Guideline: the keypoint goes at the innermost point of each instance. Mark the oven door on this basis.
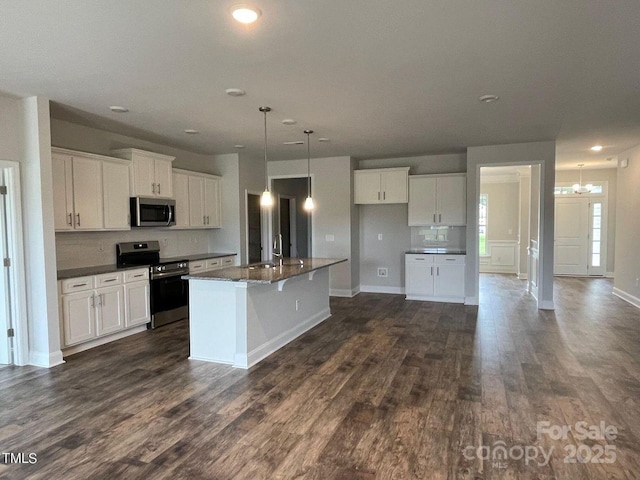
(169, 300)
(152, 212)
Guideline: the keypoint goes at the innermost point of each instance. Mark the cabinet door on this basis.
(419, 276)
(196, 201)
(212, 202)
(451, 194)
(422, 201)
(163, 178)
(449, 281)
(110, 310)
(181, 194)
(367, 187)
(79, 317)
(87, 193)
(144, 182)
(62, 192)
(115, 186)
(137, 307)
(394, 187)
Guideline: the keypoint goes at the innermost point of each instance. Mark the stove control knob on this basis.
(158, 269)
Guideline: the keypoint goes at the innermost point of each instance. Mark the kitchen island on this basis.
(240, 315)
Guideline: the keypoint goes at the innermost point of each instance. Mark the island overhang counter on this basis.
(240, 315)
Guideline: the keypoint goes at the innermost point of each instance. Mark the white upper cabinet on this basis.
(181, 194)
(438, 200)
(115, 189)
(151, 173)
(90, 192)
(383, 185)
(197, 199)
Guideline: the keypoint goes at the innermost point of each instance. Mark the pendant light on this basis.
(578, 188)
(266, 200)
(308, 203)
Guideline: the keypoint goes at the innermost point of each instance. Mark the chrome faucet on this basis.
(277, 249)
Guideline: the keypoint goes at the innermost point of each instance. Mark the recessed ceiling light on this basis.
(596, 148)
(239, 146)
(244, 13)
(489, 98)
(235, 92)
(609, 159)
(323, 139)
(288, 121)
(118, 109)
(297, 142)
(191, 131)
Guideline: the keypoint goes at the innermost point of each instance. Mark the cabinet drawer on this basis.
(136, 275)
(212, 263)
(227, 261)
(450, 259)
(419, 259)
(108, 279)
(196, 267)
(78, 284)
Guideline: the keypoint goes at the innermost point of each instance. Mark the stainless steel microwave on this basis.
(152, 212)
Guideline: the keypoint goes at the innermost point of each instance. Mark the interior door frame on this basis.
(292, 222)
(593, 197)
(312, 217)
(15, 250)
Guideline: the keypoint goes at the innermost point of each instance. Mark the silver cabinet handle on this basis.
(432, 271)
(438, 271)
(80, 285)
(439, 218)
(70, 219)
(153, 188)
(450, 259)
(208, 220)
(102, 299)
(420, 259)
(434, 218)
(204, 219)
(378, 195)
(384, 195)
(93, 300)
(139, 275)
(110, 280)
(158, 189)
(78, 219)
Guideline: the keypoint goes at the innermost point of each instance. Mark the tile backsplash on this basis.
(449, 237)
(86, 249)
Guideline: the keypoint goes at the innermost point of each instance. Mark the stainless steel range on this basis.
(169, 293)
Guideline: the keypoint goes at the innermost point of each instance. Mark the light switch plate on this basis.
(329, 238)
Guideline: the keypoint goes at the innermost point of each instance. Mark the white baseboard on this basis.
(344, 292)
(426, 298)
(280, 341)
(207, 359)
(382, 289)
(627, 297)
(496, 269)
(471, 301)
(46, 360)
(523, 276)
(610, 274)
(103, 340)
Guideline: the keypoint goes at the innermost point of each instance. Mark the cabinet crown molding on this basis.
(95, 156)
(196, 174)
(129, 153)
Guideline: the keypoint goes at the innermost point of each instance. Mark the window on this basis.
(482, 222)
(596, 233)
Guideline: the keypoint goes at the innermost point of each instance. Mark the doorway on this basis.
(290, 219)
(254, 228)
(580, 242)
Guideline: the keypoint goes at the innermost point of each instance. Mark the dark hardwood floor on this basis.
(385, 389)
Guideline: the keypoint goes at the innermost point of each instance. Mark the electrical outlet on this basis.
(165, 242)
(379, 236)
(329, 238)
(101, 247)
(383, 272)
(637, 282)
(298, 305)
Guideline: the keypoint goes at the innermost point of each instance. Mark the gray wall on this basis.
(296, 188)
(610, 175)
(628, 227)
(391, 221)
(503, 214)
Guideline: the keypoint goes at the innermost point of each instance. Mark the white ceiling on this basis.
(379, 78)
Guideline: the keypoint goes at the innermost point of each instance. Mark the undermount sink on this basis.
(262, 265)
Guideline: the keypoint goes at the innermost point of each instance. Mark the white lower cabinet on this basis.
(99, 305)
(209, 264)
(435, 277)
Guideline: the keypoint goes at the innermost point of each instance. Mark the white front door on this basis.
(580, 236)
(571, 236)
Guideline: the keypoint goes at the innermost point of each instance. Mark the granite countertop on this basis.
(99, 269)
(198, 256)
(437, 251)
(257, 273)
(95, 270)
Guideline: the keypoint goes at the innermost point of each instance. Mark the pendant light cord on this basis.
(308, 163)
(266, 178)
